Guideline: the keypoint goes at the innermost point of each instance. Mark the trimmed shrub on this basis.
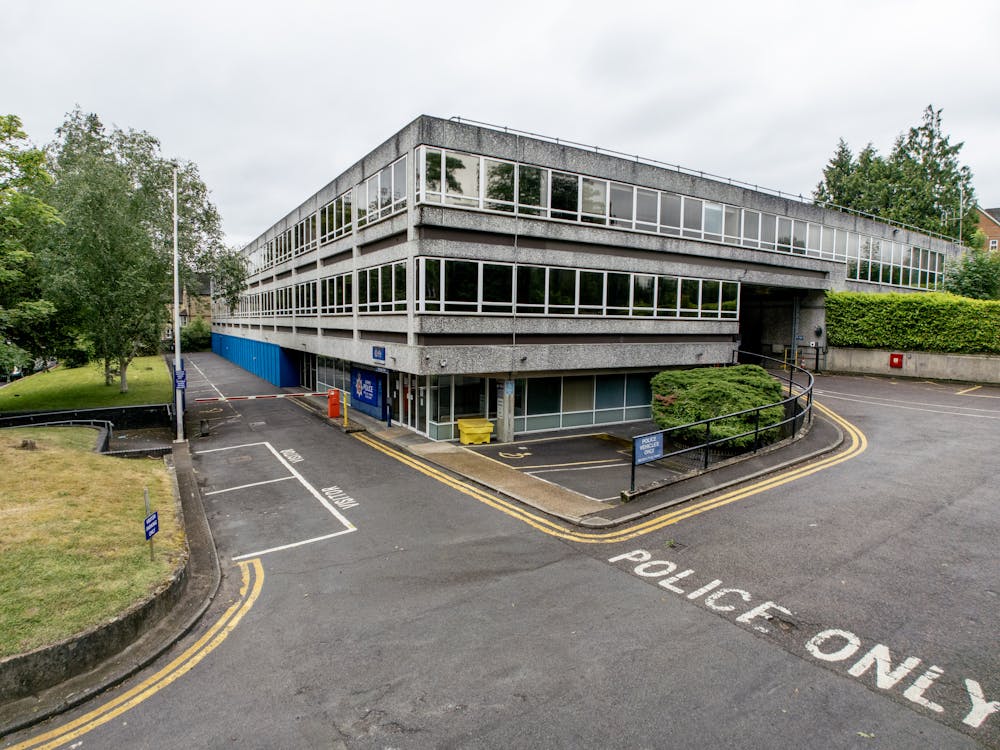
(681, 397)
(926, 322)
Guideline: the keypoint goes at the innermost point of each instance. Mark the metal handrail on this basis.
(805, 414)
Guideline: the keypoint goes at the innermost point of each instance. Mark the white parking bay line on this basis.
(247, 556)
(246, 486)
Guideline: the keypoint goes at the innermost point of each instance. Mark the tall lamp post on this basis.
(179, 379)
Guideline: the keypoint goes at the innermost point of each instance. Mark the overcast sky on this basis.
(272, 100)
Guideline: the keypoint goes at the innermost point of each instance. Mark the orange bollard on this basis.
(333, 403)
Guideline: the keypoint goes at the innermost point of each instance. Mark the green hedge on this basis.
(681, 397)
(927, 322)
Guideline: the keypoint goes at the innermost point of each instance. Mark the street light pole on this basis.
(178, 395)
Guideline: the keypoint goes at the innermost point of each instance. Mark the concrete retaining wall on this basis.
(123, 417)
(27, 674)
(969, 368)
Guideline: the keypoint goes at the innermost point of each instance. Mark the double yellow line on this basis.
(857, 443)
(253, 580)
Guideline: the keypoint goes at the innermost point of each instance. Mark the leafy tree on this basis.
(976, 274)
(24, 223)
(110, 265)
(921, 183)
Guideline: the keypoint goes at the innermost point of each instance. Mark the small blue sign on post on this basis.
(152, 524)
(180, 379)
(648, 447)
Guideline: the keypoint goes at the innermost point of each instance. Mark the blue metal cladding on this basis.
(265, 360)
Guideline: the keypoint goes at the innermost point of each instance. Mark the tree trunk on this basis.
(109, 376)
(123, 369)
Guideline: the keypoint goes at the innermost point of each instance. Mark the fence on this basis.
(665, 446)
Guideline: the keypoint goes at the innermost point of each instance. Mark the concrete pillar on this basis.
(505, 411)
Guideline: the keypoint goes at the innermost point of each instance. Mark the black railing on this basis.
(797, 408)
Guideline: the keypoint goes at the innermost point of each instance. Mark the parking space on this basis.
(596, 464)
(260, 504)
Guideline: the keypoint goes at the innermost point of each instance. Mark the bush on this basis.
(927, 322)
(681, 397)
(196, 336)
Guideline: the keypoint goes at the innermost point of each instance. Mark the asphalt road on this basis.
(366, 604)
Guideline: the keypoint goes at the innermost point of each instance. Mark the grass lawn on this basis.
(149, 382)
(73, 551)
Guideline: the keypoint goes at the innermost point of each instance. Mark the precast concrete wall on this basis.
(971, 368)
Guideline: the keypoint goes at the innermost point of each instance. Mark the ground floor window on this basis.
(545, 403)
(332, 373)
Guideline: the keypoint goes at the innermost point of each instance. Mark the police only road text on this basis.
(911, 676)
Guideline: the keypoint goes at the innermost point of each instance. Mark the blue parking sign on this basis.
(152, 524)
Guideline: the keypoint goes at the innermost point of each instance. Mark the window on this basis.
(595, 201)
(692, 217)
(642, 295)
(461, 286)
(670, 213)
(622, 205)
(532, 191)
(767, 231)
(751, 228)
(498, 288)
(562, 290)
(619, 288)
(732, 226)
(432, 175)
(399, 185)
(530, 290)
(730, 300)
(461, 178)
(993, 244)
(565, 196)
(713, 222)
(499, 185)
(431, 269)
(646, 202)
(591, 293)
(690, 297)
(666, 296)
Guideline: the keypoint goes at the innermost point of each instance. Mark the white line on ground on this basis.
(247, 486)
(312, 490)
(304, 542)
(200, 372)
(230, 448)
(576, 468)
(940, 409)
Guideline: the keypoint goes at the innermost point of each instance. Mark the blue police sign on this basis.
(180, 379)
(378, 353)
(152, 524)
(648, 447)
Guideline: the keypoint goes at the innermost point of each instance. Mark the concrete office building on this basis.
(464, 270)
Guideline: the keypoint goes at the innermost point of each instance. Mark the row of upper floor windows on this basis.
(381, 195)
(447, 285)
(479, 182)
(483, 183)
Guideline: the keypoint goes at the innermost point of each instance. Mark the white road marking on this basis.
(966, 411)
(247, 486)
(247, 556)
(832, 645)
(210, 383)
